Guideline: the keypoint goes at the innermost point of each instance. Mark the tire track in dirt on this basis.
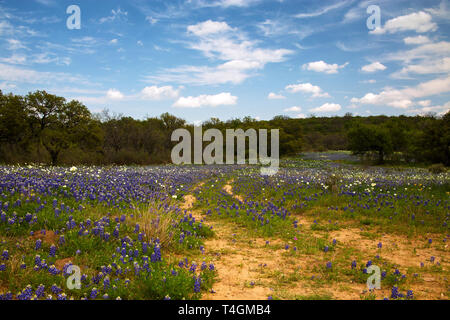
(242, 266)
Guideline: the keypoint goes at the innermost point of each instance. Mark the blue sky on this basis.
(199, 59)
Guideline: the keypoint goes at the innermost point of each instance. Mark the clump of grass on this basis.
(156, 224)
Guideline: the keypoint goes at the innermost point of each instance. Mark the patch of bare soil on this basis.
(404, 253)
(229, 189)
(241, 265)
(48, 237)
(62, 262)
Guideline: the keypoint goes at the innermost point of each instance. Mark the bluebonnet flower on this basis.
(329, 265)
(197, 284)
(40, 291)
(94, 293)
(409, 294)
(62, 296)
(38, 244)
(5, 255)
(52, 250)
(353, 264)
(394, 292)
(53, 270)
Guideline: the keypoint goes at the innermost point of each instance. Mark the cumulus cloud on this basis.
(416, 40)
(428, 58)
(160, 93)
(322, 66)
(327, 107)
(240, 57)
(114, 94)
(439, 109)
(208, 27)
(274, 96)
(316, 91)
(224, 98)
(419, 22)
(373, 67)
(293, 109)
(404, 98)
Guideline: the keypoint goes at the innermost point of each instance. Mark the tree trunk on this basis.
(380, 157)
(54, 157)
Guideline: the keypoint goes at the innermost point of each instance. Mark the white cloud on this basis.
(431, 66)
(424, 103)
(15, 44)
(160, 93)
(115, 15)
(442, 12)
(151, 20)
(428, 58)
(222, 3)
(274, 96)
(323, 10)
(416, 40)
(114, 94)
(15, 59)
(241, 57)
(293, 109)
(16, 74)
(301, 116)
(47, 57)
(208, 27)
(316, 91)
(224, 98)
(419, 22)
(7, 86)
(404, 98)
(114, 41)
(327, 107)
(322, 66)
(373, 67)
(140, 43)
(439, 109)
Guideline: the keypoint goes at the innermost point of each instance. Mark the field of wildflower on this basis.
(224, 232)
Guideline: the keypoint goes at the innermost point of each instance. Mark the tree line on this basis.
(43, 128)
